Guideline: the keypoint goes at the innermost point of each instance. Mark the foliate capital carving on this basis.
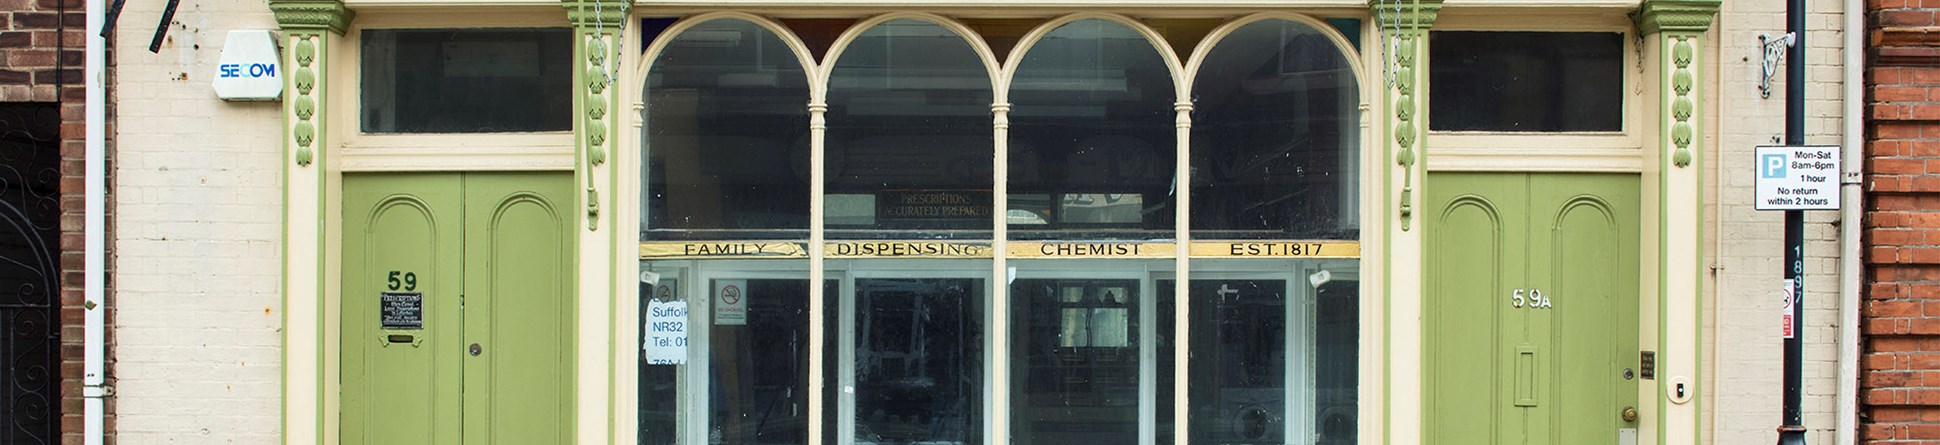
(312, 15)
(1676, 16)
(592, 13)
(1412, 15)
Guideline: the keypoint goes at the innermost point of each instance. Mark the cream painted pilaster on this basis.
(1403, 27)
(310, 29)
(1673, 215)
(597, 26)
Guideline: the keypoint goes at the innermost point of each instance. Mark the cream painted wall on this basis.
(197, 198)
(1742, 314)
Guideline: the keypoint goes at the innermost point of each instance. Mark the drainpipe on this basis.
(95, 223)
(1850, 221)
(1791, 430)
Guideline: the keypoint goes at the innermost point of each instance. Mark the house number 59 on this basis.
(409, 281)
(1534, 298)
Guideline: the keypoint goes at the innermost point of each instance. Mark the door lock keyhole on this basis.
(476, 350)
(1628, 374)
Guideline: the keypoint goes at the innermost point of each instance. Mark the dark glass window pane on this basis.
(1337, 358)
(1238, 387)
(1525, 81)
(918, 361)
(1078, 380)
(1275, 137)
(726, 137)
(759, 393)
(1275, 351)
(466, 80)
(908, 150)
(1092, 139)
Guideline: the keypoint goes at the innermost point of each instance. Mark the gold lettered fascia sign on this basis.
(905, 249)
(1276, 249)
(723, 249)
(1093, 249)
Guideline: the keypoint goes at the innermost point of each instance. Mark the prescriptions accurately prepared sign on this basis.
(1797, 178)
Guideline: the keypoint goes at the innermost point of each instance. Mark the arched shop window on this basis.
(726, 137)
(727, 158)
(1092, 157)
(1274, 325)
(908, 152)
(1092, 145)
(1275, 137)
(914, 280)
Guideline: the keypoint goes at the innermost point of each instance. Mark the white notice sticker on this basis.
(1796, 178)
(664, 338)
(731, 302)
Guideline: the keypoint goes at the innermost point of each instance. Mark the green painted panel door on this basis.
(1548, 367)
(491, 258)
(402, 233)
(518, 308)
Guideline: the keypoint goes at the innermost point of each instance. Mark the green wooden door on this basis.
(1530, 330)
(437, 263)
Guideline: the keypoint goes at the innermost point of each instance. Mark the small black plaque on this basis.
(401, 310)
(1647, 365)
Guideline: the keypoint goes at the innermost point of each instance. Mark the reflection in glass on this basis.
(738, 369)
(726, 137)
(1092, 139)
(1078, 378)
(760, 366)
(1275, 137)
(466, 80)
(1274, 351)
(918, 360)
(908, 150)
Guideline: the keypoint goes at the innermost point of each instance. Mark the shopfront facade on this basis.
(769, 222)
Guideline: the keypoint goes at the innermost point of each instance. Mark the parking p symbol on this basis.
(1773, 166)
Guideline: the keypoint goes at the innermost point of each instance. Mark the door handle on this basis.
(1629, 414)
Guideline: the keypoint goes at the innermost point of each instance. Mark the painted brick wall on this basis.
(41, 44)
(198, 207)
(1900, 369)
(1746, 353)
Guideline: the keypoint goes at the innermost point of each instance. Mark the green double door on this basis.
(457, 308)
(1530, 308)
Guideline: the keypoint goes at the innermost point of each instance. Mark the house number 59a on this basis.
(1533, 298)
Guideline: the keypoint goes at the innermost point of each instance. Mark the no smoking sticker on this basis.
(730, 302)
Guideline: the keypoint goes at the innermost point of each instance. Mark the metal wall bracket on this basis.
(1774, 52)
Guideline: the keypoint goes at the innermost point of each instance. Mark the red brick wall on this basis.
(41, 51)
(1900, 369)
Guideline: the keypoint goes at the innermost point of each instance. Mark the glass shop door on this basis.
(910, 347)
(743, 377)
(1085, 351)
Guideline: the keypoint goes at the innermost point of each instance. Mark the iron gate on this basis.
(30, 149)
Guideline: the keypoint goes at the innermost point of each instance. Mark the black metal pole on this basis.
(1792, 430)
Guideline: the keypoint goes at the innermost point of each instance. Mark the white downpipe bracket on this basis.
(94, 300)
(1851, 219)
